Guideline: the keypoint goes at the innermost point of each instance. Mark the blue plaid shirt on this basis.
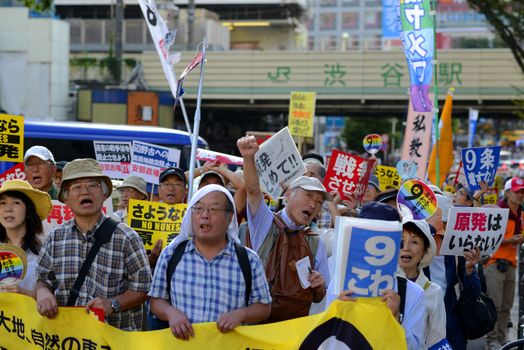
(203, 289)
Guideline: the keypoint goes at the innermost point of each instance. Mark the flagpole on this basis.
(196, 125)
(435, 95)
(186, 120)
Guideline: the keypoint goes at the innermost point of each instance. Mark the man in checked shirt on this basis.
(119, 278)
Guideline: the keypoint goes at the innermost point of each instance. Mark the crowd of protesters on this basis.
(222, 267)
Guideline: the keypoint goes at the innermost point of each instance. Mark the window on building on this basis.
(350, 20)
(327, 21)
(328, 3)
(350, 2)
(93, 31)
(75, 32)
(133, 31)
(373, 2)
(372, 20)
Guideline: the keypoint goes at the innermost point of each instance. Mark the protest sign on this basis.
(61, 213)
(407, 169)
(470, 227)
(11, 138)
(278, 163)
(148, 160)
(207, 155)
(13, 264)
(371, 322)
(16, 172)
(114, 158)
(301, 113)
(153, 220)
(387, 177)
(416, 200)
(480, 164)
(348, 174)
(372, 143)
(366, 256)
(417, 139)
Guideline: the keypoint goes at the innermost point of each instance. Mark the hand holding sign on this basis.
(372, 143)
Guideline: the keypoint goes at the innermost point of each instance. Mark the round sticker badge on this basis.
(416, 200)
(372, 143)
(13, 264)
(407, 169)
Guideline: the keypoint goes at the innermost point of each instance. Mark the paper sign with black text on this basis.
(366, 255)
(388, 177)
(470, 227)
(114, 158)
(148, 160)
(11, 138)
(278, 163)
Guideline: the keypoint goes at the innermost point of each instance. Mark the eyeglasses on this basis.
(36, 164)
(198, 210)
(172, 186)
(91, 187)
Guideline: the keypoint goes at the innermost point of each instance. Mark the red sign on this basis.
(348, 174)
(14, 173)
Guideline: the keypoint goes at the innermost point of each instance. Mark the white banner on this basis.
(468, 228)
(148, 160)
(278, 163)
(114, 157)
(207, 155)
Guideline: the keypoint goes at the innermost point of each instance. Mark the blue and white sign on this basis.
(480, 164)
(441, 345)
(148, 160)
(367, 255)
(390, 22)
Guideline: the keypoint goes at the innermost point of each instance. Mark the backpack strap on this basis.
(245, 266)
(103, 234)
(173, 262)
(402, 283)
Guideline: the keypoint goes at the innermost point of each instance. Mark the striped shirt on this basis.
(204, 289)
(120, 265)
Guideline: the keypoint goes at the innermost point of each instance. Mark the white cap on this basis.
(40, 152)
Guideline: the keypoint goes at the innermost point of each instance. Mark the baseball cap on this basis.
(40, 152)
(378, 211)
(213, 173)
(173, 171)
(514, 184)
(61, 164)
(310, 184)
(423, 228)
(387, 195)
(373, 180)
(135, 182)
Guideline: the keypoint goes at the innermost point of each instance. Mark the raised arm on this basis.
(248, 147)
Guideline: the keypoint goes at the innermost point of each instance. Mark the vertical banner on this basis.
(348, 174)
(153, 221)
(417, 139)
(468, 228)
(163, 40)
(11, 138)
(114, 158)
(148, 161)
(480, 164)
(278, 163)
(374, 246)
(390, 23)
(472, 125)
(301, 113)
(417, 37)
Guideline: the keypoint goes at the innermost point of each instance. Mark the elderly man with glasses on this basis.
(172, 188)
(40, 168)
(119, 277)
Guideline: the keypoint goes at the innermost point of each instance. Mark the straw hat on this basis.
(135, 182)
(82, 168)
(41, 200)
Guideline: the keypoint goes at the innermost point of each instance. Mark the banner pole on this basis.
(196, 126)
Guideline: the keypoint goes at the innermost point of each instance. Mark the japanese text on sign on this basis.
(153, 220)
(301, 113)
(61, 213)
(114, 158)
(387, 177)
(373, 248)
(278, 163)
(348, 174)
(416, 200)
(480, 164)
(11, 138)
(148, 160)
(14, 173)
(468, 228)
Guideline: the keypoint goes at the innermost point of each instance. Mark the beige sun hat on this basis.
(82, 168)
(41, 200)
(135, 182)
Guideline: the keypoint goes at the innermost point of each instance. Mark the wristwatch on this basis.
(115, 305)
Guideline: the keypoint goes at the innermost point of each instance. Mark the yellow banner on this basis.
(388, 177)
(363, 324)
(11, 138)
(301, 113)
(153, 220)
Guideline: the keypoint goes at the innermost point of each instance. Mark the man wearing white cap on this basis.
(202, 279)
(290, 227)
(501, 267)
(40, 169)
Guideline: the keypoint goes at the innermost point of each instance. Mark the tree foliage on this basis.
(507, 19)
(355, 129)
(39, 5)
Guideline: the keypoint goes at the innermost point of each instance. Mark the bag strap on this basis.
(245, 266)
(402, 282)
(102, 235)
(173, 262)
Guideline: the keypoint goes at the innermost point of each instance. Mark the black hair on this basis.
(33, 224)
(413, 228)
